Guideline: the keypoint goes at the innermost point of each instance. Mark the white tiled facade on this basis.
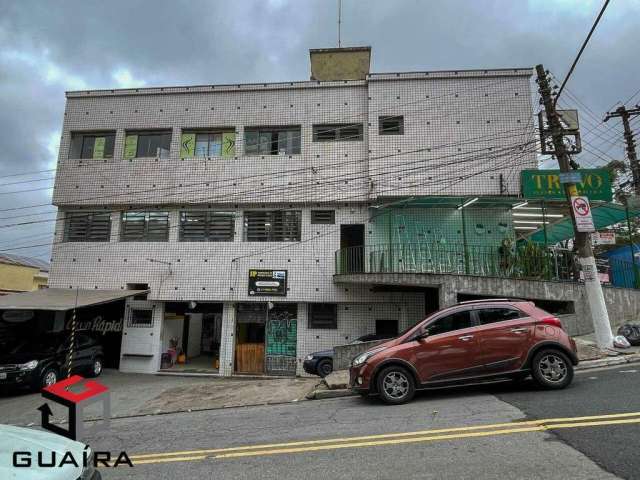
(466, 115)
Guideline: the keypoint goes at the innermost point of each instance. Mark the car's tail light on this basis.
(551, 320)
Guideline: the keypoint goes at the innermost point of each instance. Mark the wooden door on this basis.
(250, 358)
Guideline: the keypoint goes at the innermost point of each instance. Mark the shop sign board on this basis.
(603, 238)
(582, 214)
(595, 183)
(267, 282)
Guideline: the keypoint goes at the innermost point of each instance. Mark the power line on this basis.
(584, 44)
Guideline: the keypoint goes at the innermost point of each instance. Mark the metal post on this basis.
(633, 257)
(73, 335)
(464, 242)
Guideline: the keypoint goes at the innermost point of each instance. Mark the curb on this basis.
(324, 394)
(606, 362)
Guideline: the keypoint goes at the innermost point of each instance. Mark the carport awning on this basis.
(62, 299)
(603, 216)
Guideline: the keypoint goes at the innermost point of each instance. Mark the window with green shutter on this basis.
(144, 227)
(87, 227)
(206, 226)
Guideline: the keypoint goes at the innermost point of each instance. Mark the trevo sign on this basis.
(582, 214)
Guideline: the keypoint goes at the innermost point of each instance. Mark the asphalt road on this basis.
(480, 432)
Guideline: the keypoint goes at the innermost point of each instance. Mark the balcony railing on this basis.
(528, 262)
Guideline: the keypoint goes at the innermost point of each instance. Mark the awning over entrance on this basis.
(604, 215)
(62, 299)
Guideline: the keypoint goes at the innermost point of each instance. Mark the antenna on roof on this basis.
(339, 21)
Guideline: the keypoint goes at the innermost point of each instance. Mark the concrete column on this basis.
(303, 336)
(227, 339)
(174, 226)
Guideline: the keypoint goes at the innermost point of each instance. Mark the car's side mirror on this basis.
(422, 335)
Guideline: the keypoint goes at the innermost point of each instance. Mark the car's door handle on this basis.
(465, 338)
(519, 330)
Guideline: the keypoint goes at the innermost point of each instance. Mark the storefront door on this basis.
(281, 339)
(250, 335)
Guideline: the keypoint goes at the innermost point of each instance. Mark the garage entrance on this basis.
(191, 335)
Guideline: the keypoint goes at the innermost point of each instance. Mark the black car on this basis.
(321, 363)
(39, 362)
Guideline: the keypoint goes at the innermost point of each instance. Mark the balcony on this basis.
(530, 261)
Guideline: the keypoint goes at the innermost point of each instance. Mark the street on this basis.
(588, 431)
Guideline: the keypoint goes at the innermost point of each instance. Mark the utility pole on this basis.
(594, 294)
(625, 114)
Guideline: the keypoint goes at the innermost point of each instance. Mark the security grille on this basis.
(87, 227)
(206, 226)
(326, 217)
(272, 226)
(140, 317)
(144, 227)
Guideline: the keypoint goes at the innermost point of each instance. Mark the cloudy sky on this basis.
(48, 47)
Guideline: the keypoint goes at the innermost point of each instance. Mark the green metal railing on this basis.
(528, 262)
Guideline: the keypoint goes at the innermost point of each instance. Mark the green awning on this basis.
(450, 202)
(604, 215)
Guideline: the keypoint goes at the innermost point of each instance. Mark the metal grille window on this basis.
(87, 227)
(140, 317)
(206, 226)
(144, 227)
(323, 315)
(326, 217)
(92, 145)
(272, 226)
(272, 140)
(337, 132)
(391, 125)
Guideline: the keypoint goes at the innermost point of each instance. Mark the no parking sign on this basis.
(582, 214)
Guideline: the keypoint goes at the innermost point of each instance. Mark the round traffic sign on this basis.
(580, 206)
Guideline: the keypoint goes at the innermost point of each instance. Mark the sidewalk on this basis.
(140, 394)
(590, 356)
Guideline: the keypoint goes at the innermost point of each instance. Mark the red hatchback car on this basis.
(472, 342)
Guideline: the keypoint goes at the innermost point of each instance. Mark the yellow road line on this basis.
(382, 436)
(172, 459)
(430, 438)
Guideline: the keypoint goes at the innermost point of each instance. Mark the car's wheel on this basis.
(96, 367)
(396, 385)
(49, 377)
(324, 367)
(552, 369)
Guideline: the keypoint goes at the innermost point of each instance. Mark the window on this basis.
(208, 144)
(326, 217)
(337, 132)
(271, 140)
(139, 286)
(144, 227)
(140, 318)
(147, 144)
(492, 315)
(92, 145)
(455, 321)
(387, 328)
(87, 227)
(206, 226)
(272, 226)
(391, 125)
(323, 315)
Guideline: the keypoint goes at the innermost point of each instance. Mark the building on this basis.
(22, 274)
(241, 209)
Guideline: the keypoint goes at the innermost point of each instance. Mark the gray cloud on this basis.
(48, 48)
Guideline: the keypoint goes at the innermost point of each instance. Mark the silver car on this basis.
(30, 454)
